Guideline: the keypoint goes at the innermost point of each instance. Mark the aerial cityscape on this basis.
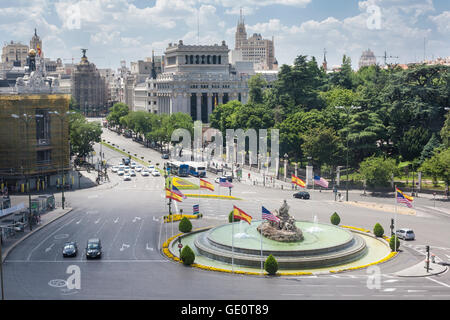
(223, 151)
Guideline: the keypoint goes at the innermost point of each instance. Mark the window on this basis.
(43, 157)
(42, 127)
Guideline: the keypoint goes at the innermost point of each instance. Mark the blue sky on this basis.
(114, 30)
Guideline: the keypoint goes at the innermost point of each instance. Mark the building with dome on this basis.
(367, 59)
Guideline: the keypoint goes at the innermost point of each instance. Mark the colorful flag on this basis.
(238, 214)
(206, 185)
(223, 182)
(298, 181)
(178, 192)
(38, 49)
(267, 215)
(403, 198)
(196, 209)
(173, 196)
(320, 181)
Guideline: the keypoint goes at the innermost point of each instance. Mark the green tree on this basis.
(378, 230)
(335, 219)
(256, 86)
(83, 135)
(344, 77)
(271, 265)
(445, 131)
(118, 111)
(430, 147)
(185, 225)
(187, 255)
(394, 243)
(377, 171)
(438, 166)
(410, 146)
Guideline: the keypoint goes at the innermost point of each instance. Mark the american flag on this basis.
(320, 181)
(267, 215)
(196, 209)
(224, 183)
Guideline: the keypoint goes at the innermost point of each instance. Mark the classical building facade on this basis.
(14, 51)
(88, 87)
(367, 59)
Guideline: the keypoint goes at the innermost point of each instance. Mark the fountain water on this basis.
(315, 227)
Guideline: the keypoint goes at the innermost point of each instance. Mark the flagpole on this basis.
(395, 221)
(260, 237)
(232, 242)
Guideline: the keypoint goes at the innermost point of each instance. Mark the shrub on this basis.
(392, 243)
(335, 219)
(378, 230)
(230, 216)
(271, 265)
(187, 256)
(185, 225)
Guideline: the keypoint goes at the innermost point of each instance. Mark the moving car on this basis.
(155, 173)
(93, 248)
(217, 180)
(132, 173)
(165, 156)
(138, 168)
(301, 195)
(126, 177)
(70, 249)
(126, 161)
(115, 169)
(133, 165)
(121, 172)
(405, 234)
(145, 173)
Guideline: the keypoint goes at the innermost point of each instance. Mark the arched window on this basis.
(220, 60)
(197, 59)
(214, 59)
(208, 59)
(187, 59)
(203, 59)
(191, 59)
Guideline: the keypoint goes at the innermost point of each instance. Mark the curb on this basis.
(8, 250)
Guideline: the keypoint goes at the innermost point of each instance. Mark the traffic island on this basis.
(420, 270)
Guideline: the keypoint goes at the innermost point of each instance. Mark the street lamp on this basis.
(285, 166)
(26, 119)
(347, 110)
(62, 117)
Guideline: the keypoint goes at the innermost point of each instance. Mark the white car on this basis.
(406, 234)
(120, 172)
(132, 173)
(126, 177)
(133, 165)
(121, 166)
(138, 168)
(155, 173)
(115, 169)
(151, 168)
(145, 173)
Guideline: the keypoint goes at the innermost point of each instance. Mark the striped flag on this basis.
(206, 185)
(320, 181)
(223, 182)
(178, 192)
(403, 198)
(239, 214)
(173, 196)
(267, 215)
(196, 209)
(298, 181)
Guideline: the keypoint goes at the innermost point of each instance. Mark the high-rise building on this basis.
(367, 59)
(254, 49)
(14, 51)
(88, 87)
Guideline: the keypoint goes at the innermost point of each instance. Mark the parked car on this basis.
(126, 177)
(70, 249)
(405, 234)
(138, 168)
(132, 173)
(155, 173)
(302, 195)
(115, 169)
(165, 156)
(121, 172)
(93, 248)
(133, 165)
(151, 168)
(145, 173)
(126, 161)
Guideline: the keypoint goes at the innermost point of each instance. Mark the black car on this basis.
(126, 161)
(93, 248)
(70, 249)
(301, 195)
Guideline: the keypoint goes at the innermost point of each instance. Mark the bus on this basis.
(197, 169)
(178, 168)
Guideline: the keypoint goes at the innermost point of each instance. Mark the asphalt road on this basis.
(127, 217)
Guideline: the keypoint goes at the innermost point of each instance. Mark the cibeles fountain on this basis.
(296, 245)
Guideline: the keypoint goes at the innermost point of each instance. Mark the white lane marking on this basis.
(389, 289)
(124, 246)
(92, 212)
(79, 221)
(136, 219)
(441, 283)
(117, 220)
(412, 291)
(391, 281)
(137, 237)
(85, 261)
(148, 248)
(49, 248)
(155, 219)
(93, 196)
(97, 221)
(50, 235)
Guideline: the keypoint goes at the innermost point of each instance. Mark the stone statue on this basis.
(284, 230)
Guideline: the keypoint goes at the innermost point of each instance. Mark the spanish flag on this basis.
(173, 196)
(206, 185)
(38, 49)
(238, 214)
(298, 181)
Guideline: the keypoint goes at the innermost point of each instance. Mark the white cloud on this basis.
(442, 22)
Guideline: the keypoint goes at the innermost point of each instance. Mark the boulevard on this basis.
(128, 218)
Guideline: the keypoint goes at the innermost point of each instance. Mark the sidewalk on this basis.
(46, 218)
(419, 270)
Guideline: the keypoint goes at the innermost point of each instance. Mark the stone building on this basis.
(14, 51)
(367, 59)
(88, 87)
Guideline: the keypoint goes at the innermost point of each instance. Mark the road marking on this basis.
(441, 283)
(391, 281)
(155, 219)
(124, 246)
(412, 291)
(389, 289)
(49, 248)
(148, 248)
(97, 221)
(78, 222)
(136, 219)
(117, 220)
(92, 212)
(93, 196)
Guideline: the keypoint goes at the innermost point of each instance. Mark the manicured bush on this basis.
(392, 243)
(378, 230)
(271, 265)
(335, 219)
(187, 256)
(185, 225)
(230, 216)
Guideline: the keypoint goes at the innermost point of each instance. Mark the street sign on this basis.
(180, 245)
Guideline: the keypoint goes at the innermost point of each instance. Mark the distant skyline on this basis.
(115, 30)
